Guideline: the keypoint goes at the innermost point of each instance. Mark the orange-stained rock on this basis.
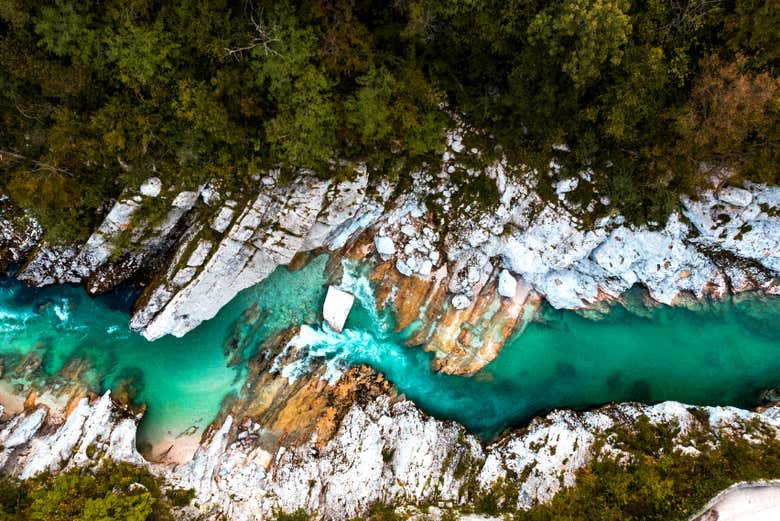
(463, 341)
(277, 411)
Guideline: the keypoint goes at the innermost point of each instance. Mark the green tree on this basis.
(583, 36)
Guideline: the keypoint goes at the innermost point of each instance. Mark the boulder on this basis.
(384, 246)
(507, 284)
(151, 187)
(735, 196)
(460, 301)
(336, 308)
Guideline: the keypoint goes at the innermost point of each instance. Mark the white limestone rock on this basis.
(460, 301)
(383, 450)
(51, 264)
(199, 255)
(384, 246)
(223, 219)
(507, 284)
(30, 449)
(151, 187)
(404, 268)
(336, 308)
(265, 234)
(93, 262)
(345, 211)
(735, 196)
(564, 186)
(426, 267)
(19, 233)
(408, 230)
(753, 232)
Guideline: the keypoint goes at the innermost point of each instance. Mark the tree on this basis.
(583, 36)
(728, 108)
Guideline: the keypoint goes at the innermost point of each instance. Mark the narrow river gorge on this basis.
(723, 353)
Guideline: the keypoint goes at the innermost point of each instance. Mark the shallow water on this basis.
(725, 354)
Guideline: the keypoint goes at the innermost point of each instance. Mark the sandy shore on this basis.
(747, 501)
(12, 402)
(179, 449)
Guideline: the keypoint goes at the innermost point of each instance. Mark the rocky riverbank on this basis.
(468, 254)
(334, 450)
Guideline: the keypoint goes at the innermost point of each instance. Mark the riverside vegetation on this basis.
(113, 492)
(649, 97)
(95, 96)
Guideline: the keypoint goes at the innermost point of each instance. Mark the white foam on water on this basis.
(14, 320)
(321, 343)
(62, 310)
(354, 280)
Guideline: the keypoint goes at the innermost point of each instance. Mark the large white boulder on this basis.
(384, 246)
(151, 187)
(507, 284)
(336, 308)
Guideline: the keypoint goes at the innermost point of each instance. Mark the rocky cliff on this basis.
(470, 253)
(367, 446)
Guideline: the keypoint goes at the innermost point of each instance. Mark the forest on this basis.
(650, 96)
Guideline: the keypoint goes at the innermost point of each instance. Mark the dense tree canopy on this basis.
(113, 492)
(96, 95)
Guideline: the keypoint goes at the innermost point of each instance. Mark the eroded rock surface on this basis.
(465, 254)
(123, 243)
(334, 458)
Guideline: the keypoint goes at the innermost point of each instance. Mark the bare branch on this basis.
(266, 36)
(40, 165)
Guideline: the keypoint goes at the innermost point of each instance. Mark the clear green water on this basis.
(725, 354)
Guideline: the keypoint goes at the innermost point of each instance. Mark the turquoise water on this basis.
(182, 380)
(723, 354)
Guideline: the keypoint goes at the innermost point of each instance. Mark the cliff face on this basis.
(335, 461)
(467, 256)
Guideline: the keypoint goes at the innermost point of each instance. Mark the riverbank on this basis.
(406, 459)
(430, 292)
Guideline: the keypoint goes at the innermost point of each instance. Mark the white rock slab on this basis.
(336, 308)
(735, 196)
(507, 284)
